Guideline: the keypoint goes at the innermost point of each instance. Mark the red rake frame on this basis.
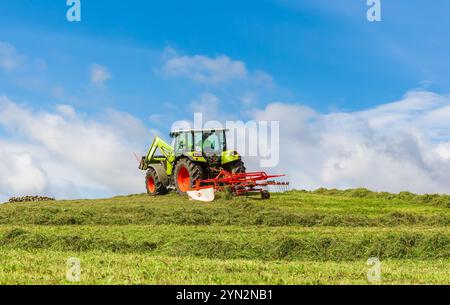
(240, 183)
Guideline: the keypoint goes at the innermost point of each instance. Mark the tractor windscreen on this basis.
(183, 142)
(210, 142)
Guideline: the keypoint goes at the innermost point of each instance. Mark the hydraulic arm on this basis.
(151, 158)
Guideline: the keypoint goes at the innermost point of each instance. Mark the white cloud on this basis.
(204, 69)
(21, 174)
(65, 153)
(393, 147)
(9, 58)
(99, 74)
(208, 104)
(443, 151)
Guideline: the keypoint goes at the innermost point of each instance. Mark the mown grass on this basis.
(290, 209)
(324, 244)
(98, 267)
(431, 199)
(324, 236)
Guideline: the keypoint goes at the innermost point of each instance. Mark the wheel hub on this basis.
(183, 179)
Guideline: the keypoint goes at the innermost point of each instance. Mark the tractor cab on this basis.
(201, 142)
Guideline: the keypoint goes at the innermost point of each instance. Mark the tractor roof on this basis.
(175, 133)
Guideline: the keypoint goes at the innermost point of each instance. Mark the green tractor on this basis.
(195, 154)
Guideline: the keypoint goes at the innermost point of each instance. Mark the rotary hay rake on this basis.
(237, 184)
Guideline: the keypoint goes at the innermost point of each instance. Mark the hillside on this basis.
(296, 237)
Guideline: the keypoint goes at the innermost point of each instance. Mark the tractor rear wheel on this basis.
(153, 183)
(186, 174)
(236, 167)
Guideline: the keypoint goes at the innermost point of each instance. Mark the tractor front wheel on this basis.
(186, 174)
(153, 183)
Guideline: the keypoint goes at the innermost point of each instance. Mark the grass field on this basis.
(298, 237)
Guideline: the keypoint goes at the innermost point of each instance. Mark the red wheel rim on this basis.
(151, 184)
(183, 179)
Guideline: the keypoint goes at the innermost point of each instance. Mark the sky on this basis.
(360, 104)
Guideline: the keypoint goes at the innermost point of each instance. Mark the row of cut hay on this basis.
(223, 245)
(431, 199)
(219, 215)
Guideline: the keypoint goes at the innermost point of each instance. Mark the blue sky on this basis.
(324, 54)
(133, 66)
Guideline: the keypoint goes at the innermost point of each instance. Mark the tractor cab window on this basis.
(213, 142)
(183, 143)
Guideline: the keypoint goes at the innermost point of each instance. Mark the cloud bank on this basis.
(67, 154)
(403, 145)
